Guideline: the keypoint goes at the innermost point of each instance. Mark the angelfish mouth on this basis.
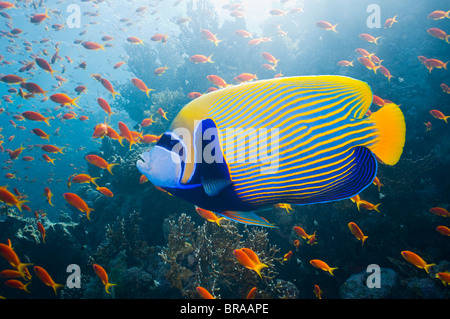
(144, 166)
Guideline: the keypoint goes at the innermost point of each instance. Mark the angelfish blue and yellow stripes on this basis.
(320, 129)
(297, 140)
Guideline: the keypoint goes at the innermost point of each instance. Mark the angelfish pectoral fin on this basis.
(213, 187)
(248, 218)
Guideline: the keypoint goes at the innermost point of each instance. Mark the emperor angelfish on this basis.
(296, 140)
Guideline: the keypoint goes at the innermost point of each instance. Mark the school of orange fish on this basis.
(19, 277)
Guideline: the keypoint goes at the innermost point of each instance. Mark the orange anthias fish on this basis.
(101, 273)
(63, 99)
(105, 106)
(369, 64)
(52, 148)
(39, 17)
(356, 231)
(159, 37)
(41, 229)
(93, 46)
(14, 283)
(439, 115)
(105, 191)
(345, 63)
(204, 293)
(245, 77)
(135, 40)
(10, 199)
(44, 65)
(440, 34)
(76, 201)
(443, 230)
(41, 134)
(141, 86)
(49, 195)
(444, 277)
(416, 260)
(159, 71)
(248, 258)
(369, 38)
(361, 203)
(48, 159)
(43, 275)
(35, 116)
(439, 14)
(326, 25)
(270, 58)
(317, 292)
(445, 88)
(208, 35)
(301, 233)
(322, 265)
(431, 64)
(15, 154)
(84, 178)
(386, 72)
(377, 183)
(108, 86)
(161, 112)
(100, 162)
(389, 22)
(11, 257)
(147, 121)
(198, 58)
(209, 215)
(126, 133)
(439, 211)
(217, 80)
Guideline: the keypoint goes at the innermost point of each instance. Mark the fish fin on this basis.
(110, 166)
(427, 267)
(331, 271)
(248, 218)
(213, 187)
(390, 122)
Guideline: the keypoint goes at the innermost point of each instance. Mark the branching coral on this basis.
(203, 256)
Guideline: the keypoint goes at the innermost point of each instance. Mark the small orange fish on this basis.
(194, 95)
(243, 33)
(43, 275)
(108, 86)
(439, 14)
(439, 211)
(389, 22)
(416, 260)
(217, 80)
(39, 17)
(161, 112)
(105, 106)
(204, 293)
(63, 99)
(141, 86)
(270, 58)
(443, 230)
(147, 121)
(35, 116)
(41, 229)
(48, 159)
(444, 277)
(11, 257)
(248, 258)
(208, 35)
(135, 40)
(14, 283)
(101, 273)
(209, 215)
(356, 231)
(439, 115)
(360, 203)
(49, 195)
(10, 273)
(345, 63)
(386, 72)
(159, 37)
(377, 182)
(319, 264)
(198, 58)
(326, 25)
(159, 71)
(369, 64)
(93, 46)
(84, 178)
(429, 126)
(445, 88)
(287, 256)
(150, 138)
(431, 64)
(126, 133)
(76, 201)
(317, 291)
(105, 191)
(251, 294)
(10, 199)
(439, 34)
(369, 38)
(245, 77)
(52, 148)
(100, 162)
(301, 233)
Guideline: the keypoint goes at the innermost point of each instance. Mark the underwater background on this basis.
(153, 245)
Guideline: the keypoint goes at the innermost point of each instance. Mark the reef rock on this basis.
(356, 287)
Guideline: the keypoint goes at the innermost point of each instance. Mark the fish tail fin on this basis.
(110, 166)
(89, 210)
(107, 286)
(25, 287)
(427, 267)
(395, 18)
(390, 123)
(22, 269)
(258, 267)
(148, 92)
(331, 270)
(114, 94)
(364, 239)
(20, 203)
(218, 221)
(376, 207)
(209, 59)
(376, 68)
(445, 118)
(93, 181)
(447, 14)
(73, 101)
(376, 40)
(46, 120)
(447, 39)
(445, 64)
(333, 28)
(56, 286)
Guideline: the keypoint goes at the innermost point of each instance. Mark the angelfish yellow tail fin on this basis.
(390, 122)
